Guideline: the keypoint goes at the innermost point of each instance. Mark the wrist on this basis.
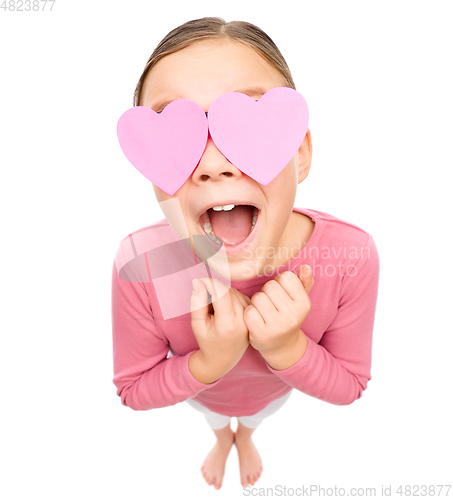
(289, 354)
(201, 369)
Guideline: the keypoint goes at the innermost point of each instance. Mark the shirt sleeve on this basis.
(145, 378)
(338, 369)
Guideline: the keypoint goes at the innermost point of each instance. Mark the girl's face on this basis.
(202, 72)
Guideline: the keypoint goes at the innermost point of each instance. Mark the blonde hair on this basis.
(215, 27)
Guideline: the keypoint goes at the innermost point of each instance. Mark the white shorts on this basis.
(217, 421)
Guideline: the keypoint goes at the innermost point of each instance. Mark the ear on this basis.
(305, 153)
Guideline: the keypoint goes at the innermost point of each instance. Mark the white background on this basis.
(377, 78)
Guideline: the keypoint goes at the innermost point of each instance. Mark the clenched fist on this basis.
(219, 328)
(275, 316)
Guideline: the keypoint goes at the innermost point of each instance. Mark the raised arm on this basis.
(144, 377)
(338, 369)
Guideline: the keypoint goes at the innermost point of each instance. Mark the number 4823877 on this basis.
(27, 5)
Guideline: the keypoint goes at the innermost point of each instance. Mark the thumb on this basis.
(306, 277)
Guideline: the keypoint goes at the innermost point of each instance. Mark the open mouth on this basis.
(231, 223)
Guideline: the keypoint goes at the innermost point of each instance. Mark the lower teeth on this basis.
(208, 230)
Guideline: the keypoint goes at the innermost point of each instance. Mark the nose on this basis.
(213, 166)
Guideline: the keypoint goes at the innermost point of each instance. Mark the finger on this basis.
(243, 300)
(237, 300)
(306, 277)
(221, 299)
(263, 304)
(253, 318)
(199, 307)
(292, 285)
(277, 295)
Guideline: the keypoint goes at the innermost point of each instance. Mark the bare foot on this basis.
(213, 468)
(250, 465)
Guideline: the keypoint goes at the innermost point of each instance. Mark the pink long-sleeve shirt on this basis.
(151, 354)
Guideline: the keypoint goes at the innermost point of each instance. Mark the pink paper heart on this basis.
(164, 147)
(259, 137)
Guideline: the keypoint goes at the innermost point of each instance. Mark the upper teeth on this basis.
(224, 207)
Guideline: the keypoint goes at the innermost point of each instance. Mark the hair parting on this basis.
(216, 28)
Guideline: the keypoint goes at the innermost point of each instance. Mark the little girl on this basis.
(263, 336)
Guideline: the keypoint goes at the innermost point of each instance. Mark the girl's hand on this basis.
(219, 328)
(275, 316)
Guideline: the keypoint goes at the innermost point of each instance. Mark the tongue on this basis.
(233, 226)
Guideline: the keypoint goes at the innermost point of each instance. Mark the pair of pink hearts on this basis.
(258, 137)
